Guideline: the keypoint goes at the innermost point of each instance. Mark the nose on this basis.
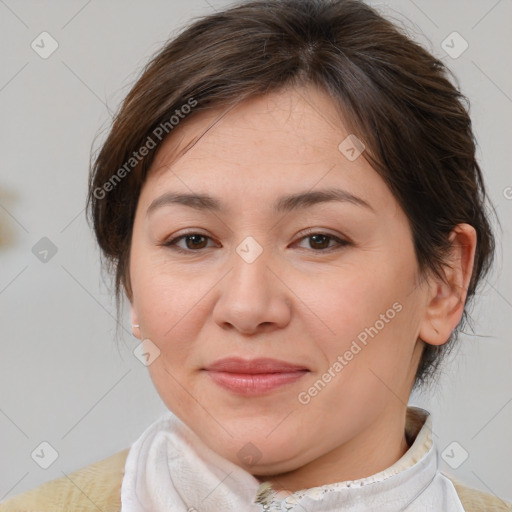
(253, 297)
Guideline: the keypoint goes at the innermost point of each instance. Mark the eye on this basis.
(320, 242)
(192, 241)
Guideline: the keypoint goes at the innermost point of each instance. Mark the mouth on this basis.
(254, 377)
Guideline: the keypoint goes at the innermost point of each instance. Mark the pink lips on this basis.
(254, 377)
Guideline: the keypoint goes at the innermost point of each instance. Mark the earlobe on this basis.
(448, 296)
(135, 322)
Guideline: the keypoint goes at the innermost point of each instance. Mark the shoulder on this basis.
(474, 500)
(92, 488)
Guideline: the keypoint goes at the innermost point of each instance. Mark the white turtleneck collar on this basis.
(170, 468)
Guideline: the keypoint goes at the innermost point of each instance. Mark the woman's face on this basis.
(297, 252)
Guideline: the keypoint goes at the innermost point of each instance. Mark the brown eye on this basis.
(322, 242)
(319, 241)
(193, 242)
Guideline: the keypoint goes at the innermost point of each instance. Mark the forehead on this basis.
(289, 124)
(268, 145)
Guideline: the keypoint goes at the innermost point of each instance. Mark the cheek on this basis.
(169, 307)
(369, 316)
(352, 300)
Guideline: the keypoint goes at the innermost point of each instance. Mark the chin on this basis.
(260, 455)
(274, 466)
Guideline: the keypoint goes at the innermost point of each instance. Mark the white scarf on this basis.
(169, 469)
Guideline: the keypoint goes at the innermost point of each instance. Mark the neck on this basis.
(372, 450)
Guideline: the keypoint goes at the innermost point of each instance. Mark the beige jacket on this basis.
(97, 488)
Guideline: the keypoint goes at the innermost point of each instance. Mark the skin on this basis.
(298, 301)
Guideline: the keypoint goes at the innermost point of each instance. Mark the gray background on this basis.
(62, 378)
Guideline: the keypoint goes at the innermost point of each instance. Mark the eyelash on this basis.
(309, 233)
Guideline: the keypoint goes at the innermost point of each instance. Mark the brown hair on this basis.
(394, 95)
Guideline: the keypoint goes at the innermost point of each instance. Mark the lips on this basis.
(255, 376)
(253, 366)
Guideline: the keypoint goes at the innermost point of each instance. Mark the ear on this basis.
(447, 297)
(135, 322)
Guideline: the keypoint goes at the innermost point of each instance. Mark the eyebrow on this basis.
(284, 204)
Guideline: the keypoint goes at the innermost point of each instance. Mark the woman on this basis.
(289, 198)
